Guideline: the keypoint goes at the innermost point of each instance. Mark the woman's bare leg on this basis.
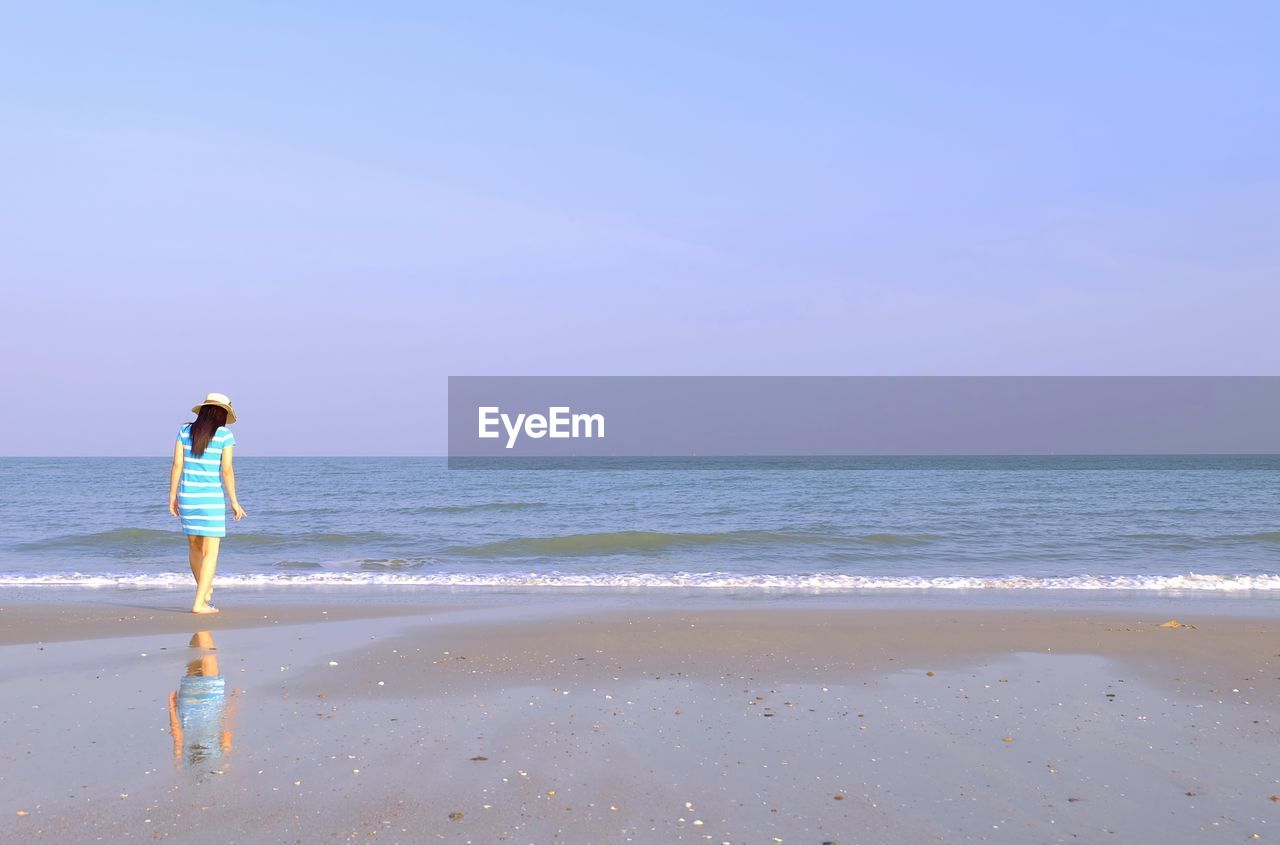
(195, 552)
(204, 578)
(193, 555)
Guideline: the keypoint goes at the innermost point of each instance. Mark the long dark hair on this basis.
(208, 421)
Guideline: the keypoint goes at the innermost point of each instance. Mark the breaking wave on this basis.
(390, 574)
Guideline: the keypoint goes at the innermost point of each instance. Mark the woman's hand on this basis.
(237, 511)
(173, 506)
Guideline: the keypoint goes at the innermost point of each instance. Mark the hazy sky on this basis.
(325, 209)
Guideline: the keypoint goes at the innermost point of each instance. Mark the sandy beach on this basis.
(497, 721)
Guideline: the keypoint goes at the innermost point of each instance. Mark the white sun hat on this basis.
(221, 401)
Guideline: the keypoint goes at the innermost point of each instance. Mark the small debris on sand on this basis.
(479, 757)
(1174, 623)
(455, 816)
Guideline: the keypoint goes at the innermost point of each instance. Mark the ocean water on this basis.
(1142, 524)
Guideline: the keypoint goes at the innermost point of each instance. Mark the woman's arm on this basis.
(175, 725)
(174, 475)
(228, 719)
(229, 482)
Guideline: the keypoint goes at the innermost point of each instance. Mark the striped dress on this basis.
(200, 497)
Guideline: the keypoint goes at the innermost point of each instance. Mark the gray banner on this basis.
(575, 417)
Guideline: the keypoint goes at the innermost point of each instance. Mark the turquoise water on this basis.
(1149, 524)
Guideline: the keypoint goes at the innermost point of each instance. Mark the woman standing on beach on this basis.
(201, 468)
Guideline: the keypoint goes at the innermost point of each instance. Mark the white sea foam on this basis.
(708, 580)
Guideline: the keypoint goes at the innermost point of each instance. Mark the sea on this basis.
(1150, 524)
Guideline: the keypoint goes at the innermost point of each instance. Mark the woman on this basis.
(201, 471)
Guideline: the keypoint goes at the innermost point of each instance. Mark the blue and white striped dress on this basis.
(201, 502)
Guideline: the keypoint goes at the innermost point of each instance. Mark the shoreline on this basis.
(152, 610)
(34, 621)
(61, 613)
(915, 631)
(1189, 583)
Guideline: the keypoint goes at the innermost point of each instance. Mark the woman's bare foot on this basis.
(204, 608)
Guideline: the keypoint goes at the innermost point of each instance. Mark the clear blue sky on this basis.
(325, 209)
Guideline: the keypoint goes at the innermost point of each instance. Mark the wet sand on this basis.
(474, 722)
(62, 621)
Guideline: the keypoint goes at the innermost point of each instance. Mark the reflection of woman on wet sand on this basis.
(200, 711)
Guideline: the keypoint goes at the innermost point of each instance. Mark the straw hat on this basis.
(221, 401)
